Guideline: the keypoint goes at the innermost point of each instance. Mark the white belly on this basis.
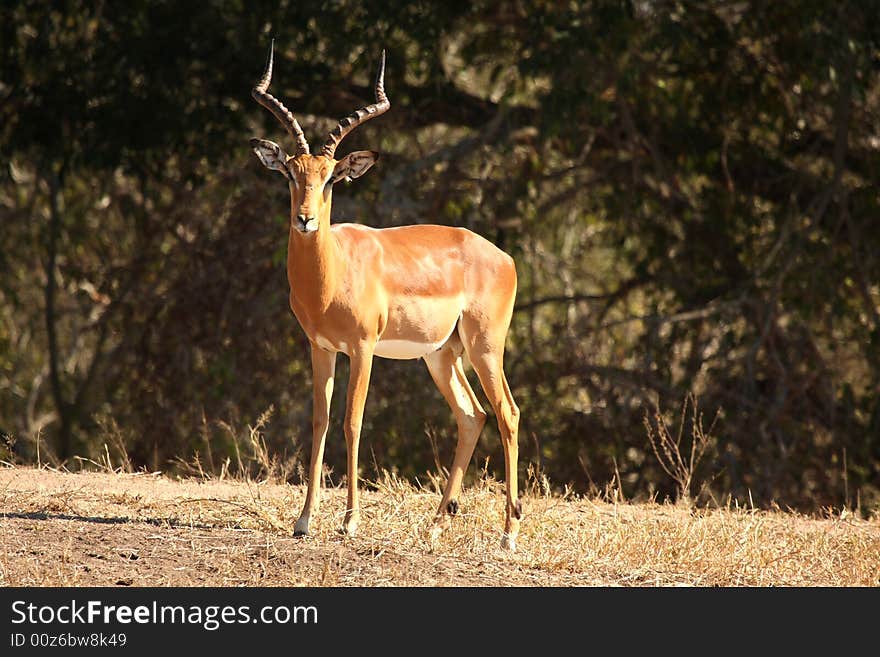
(404, 349)
(396, 349)
(407, 349)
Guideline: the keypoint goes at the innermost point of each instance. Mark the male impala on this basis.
(428, 292)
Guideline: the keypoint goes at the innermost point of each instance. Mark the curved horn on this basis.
(284, 115)
(352, 121)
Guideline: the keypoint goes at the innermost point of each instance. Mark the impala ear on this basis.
(354, 165)
(271, 154)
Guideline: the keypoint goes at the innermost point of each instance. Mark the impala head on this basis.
(311, 177)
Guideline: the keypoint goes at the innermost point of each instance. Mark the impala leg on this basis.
(323, 368)
(447, 371)
(358, 383)
(487, 360)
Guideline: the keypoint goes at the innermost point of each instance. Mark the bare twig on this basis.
(681, 467)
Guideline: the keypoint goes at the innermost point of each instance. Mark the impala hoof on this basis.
(508, 542)
(301, 528)
(348, 530)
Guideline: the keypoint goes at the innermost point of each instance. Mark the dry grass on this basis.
(112, 528)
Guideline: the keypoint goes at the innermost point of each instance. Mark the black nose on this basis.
(303, 221)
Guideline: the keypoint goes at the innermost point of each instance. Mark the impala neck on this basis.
(312, 261)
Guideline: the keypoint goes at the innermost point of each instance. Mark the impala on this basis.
(422, 291)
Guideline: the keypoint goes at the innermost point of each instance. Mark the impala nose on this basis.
(307, 223)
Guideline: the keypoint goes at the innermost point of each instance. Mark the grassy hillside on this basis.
(58, 528)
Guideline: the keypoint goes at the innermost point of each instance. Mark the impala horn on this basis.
(284, 115)
(352, 121)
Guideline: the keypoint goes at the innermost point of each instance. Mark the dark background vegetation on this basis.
(688, 189)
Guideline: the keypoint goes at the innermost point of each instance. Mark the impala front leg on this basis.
(358, 383)
(323, 368)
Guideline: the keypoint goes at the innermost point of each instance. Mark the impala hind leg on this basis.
(446, 369)
(486, 352)
(491, 375)
(323, 369)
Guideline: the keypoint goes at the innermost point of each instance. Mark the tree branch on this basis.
(561, 298)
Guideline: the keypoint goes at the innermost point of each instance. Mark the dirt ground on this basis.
(98, 529)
